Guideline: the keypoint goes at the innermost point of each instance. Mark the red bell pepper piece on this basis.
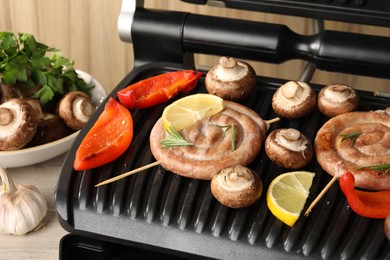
(108, 138)
(370, 204)
(158, 89)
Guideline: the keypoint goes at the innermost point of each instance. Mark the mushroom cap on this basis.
(337, 99)
(36, 105)
(231, 79)
(18, 124)
(49, 128)
(75, 108)
(294, 99)
(288, 148)
(236, 187)
(7, 92)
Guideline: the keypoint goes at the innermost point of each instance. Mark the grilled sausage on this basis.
(212, 148)
(337, 151)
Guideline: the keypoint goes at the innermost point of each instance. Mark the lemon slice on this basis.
(190, 109)
(287, 194)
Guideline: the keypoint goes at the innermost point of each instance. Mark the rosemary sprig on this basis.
(385, 167)
(174, 139)
(352, 136)
(225, 128)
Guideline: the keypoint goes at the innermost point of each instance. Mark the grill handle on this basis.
(173, 36)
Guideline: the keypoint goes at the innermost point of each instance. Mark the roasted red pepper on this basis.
(108, 138)
(158, 89)
(370, 204)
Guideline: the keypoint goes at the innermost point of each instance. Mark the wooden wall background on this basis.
(86, 32)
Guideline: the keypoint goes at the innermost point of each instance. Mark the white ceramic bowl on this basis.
(41, 153)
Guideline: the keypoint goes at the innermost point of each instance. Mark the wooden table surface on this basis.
(43, 243)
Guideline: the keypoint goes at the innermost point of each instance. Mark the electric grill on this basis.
(156, 213)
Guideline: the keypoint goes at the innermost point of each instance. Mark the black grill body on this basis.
(156, 212)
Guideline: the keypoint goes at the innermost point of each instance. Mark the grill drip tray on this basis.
(160, 211)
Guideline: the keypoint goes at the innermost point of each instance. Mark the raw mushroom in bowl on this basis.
(48, 143)
(75, 108)
(18, 124)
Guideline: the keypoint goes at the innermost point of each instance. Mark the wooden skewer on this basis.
(150, 165)
(273, 120)
(319, 197)
(123, 175)
(381, 94)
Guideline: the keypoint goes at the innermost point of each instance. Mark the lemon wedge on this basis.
(287, 195)
(190, 109)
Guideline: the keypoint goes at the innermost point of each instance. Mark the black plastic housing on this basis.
(179, 35)
(371, 12)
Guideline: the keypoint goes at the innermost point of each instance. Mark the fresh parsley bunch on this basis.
(24, 60)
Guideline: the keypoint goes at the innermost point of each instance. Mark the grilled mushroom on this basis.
(337, 99)
(288, 148)
(18, 124)
(236, 187)
(230, 79)
(75, 108)
(294, 99)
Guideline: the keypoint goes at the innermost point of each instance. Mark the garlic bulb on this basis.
(22, 207)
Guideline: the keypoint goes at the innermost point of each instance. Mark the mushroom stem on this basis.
(227, 62)
(291, 139)
(292, 90)
(6, 116)
(236, 179)
(83, 109)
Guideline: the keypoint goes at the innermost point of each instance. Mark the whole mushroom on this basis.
(18, 124)
(230, 79)
(49, 128)
(337, 99)
(75, 108)
(288, 148)
(236, 187)
(7, 92)
(294, 99)
(36, 105)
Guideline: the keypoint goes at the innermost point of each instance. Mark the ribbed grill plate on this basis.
(158, 210)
